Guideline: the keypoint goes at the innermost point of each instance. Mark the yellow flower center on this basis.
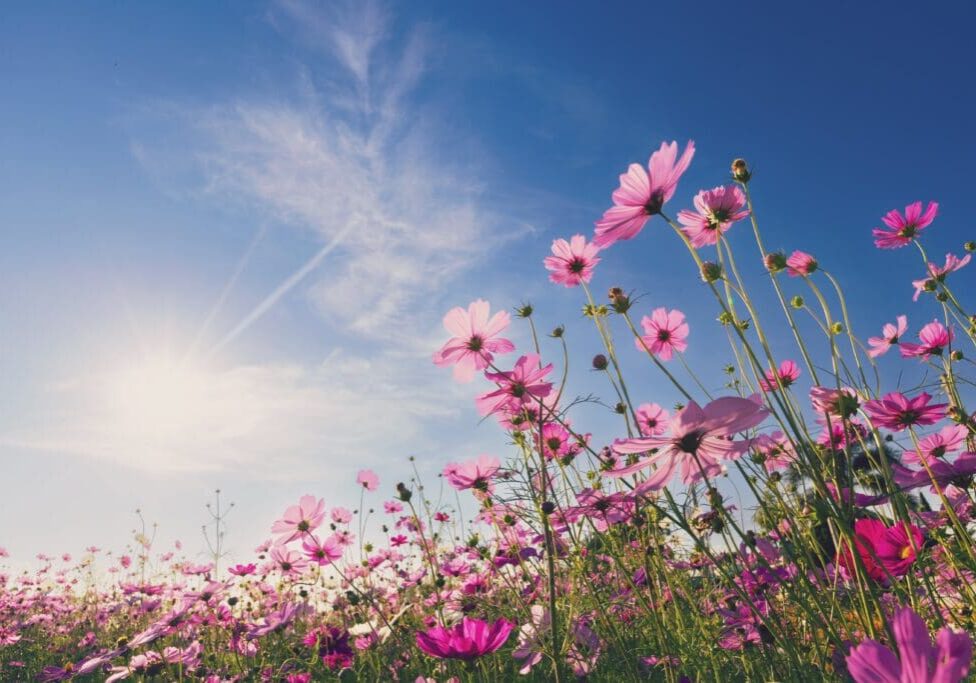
(906, 552)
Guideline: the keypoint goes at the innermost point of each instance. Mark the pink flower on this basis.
(341, 515)
(475, 339)
(717, 210)
(788, 373)
(903, 229)
(800, 264)
(300, 519)
(948, 440)
(242, 569)
(322, 552)
(652, 419)
(943, 473)
(776, 450)
(890, 334)
(473, 474)
(391, 507)
(898, 412)
(572, 262)
(937, 274)
(523, 385)
(700, 439)
(642, 194)
(884, 550)
(918, 660)
(835, 402)
(665, 333)
(289, 562)
(934, 337)
(368, 480)
(470, 639)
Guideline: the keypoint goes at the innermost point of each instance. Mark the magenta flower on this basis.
(300, 519)
(700, 439)
(890, 334)
(937, 274)
(884, 550)
(947, 440)
(716, 210)
(943, 473)
(242, 569)
(475, 339)
(897, 412)
(572, 262)
(934, 337)
(470, 639)
(903, 229)
(523, 385)
(642, 194)
(368, 480)
(800, 264)
(918, 660)
(665, 332)
(652, 419)
(473, 474)
(787, 373)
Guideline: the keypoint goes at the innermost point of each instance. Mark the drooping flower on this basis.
(642, 194)
(368, 480)
(787, 373)
(917, 660)
(800, 264)
(300, 519)
(472, 474)
(652, 419)
(716, 210)
(902, 229)
(467, 640)
(242, 569)
(664, 333)
(884, 550)
(700, 439)
(572, 262)
(937, 274)
(934, 337)
(890, 334)
(897, 412)
(522, 385)
(947, 440)
(475, 339)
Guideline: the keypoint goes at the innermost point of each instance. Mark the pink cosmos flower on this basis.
(322, 552)
(572, 262)
(890, 334)
(242, 569)
(716, 210)
(800, 264)
(776, 450)
(523, 385)
(787, 373)
(368, 480)
(652, 419)
(467, 640)
(288, 562)
(557, 442)
(903, 229)
(473, 474)
(897, 412)
(341, 515)
(300, 519)
(475, 339)
(918, 660)
(934, 337)
(947, 440)
(937, 274)
(665, 333)
(834, 402)
(943, 473)
(884, 550)
(642, 194)
(700, 439)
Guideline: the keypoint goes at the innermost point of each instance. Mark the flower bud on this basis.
(710, 272)
(969, 246)
(941, 296)
(725, 318)
(796, 302)
(740, 171)
(548, 507)
(775, 261)
(599, 362)
(619, 300)
(620, 409)
(956, 355)
(403, 493)
(524, 311)
(836, 328)
(558, 332)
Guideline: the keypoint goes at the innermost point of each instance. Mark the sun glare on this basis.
(158, 397)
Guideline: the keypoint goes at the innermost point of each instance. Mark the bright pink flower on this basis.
(470, 639)
(523, 385)
(300, 519)
(716, 210)
(322, 552)
(472, 474)
(475, 339)
(944, 473)
(652, 419)
(903, 229)
(368, 480)
(788, 373)
(937, 274)
(800, 263)
(642, 194)
(918, 660)
(557, 442)
(242, 569)
(947, 440)
(897, 412)
(700, 439)
(572, 262)
(890, 334)
(934, 337)
(288, 562)
(884, 550)
(664, 333)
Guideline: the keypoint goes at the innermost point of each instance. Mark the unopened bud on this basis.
(619, 300)
(796, 302)
(941, 296)
(620, 409)
(969, 246)
(403, 493)
(740, 171)
(524, 311)
(956, 355)
(558, 332)
(710, 272)
(836, 328)
(775, 261)
(548, 507)
(599, 362)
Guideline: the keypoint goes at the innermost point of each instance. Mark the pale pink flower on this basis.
(472, 474)
(572, 262)
(787, 373)
(934, 337)
(947, 440)
(368, 480)
(800, 264)
(475, 339)
(716, 210)
(341, 515)
(322, 552)
(776, 450)
(664, 333)
(652, 419)
(890, 334)
(903, 229)
(300, 519)
(288, 562)
(642, 194)
(523, 385)
(937, 274)
(835, 402)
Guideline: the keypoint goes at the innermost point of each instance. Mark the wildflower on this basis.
(341, 515)
(884, 550)
(467, 640)
(947, 440)
(242, 569)
(776, 450)
(775, 261)
(368, 480)
(787, 373)
(918, 660)
(716, 210)
(642, 194)
(934, 337)
(800, 264)
(903, 229)
(700, 439)
(274, 621)
(300, 519)
(572, 262)
(841, 403)
(522, 385)
(890, 334)
(898, 412)
(289, 562)
(475, 339)
(943, 473)
(473, 474)
(652, 419)
(322, 552)
(665, 332)
(332, 645)
(937, 274)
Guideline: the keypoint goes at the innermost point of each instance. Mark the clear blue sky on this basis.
(228, 231)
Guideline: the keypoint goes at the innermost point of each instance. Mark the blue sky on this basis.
(228, 232)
